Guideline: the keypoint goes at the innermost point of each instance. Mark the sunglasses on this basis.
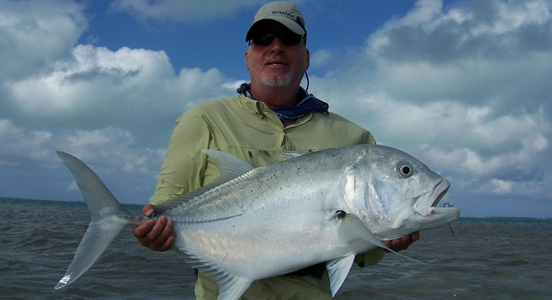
(286, 37)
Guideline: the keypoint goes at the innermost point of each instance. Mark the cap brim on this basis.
(289, 24)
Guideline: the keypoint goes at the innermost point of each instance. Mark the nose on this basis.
(277, 45)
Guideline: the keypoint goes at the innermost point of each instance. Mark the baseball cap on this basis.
(284, 13)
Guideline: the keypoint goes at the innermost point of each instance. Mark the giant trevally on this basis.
(256, 223)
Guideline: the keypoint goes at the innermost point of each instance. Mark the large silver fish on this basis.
(251, 224)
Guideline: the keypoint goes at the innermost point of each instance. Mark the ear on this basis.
(307, 53)
(247, 59)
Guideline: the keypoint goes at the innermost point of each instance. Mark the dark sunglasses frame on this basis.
(286, 37)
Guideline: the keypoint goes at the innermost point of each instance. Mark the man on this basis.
(271, 115)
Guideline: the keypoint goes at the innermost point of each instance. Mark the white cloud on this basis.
(35, 33)
(474, 52)
(181, 11)
(462, 89)
(112, 149)
(99, 104)
(465, 89)
(321, 58)
(475, 29)
(96, 87)
(92, 76)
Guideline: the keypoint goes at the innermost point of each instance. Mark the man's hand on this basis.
(402, 243)
(156, 235)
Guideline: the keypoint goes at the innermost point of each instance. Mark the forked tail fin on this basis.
(108, 218)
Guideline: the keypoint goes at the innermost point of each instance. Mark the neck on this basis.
(288, 122)
(276, 97)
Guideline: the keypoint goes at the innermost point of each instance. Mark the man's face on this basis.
(276, 64)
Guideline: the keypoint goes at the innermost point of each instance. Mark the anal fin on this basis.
(338, 269)
(231, 286)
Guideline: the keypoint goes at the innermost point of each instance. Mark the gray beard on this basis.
(276, 82)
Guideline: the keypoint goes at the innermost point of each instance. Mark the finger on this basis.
(164, 240)
(169, 243)
(148, 232)
(392, 244)
(153, 235)
(397, 244)
(143, 229)
(415, 236)
(147, 210)
(407, 240)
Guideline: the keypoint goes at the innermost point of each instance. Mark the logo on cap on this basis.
(287, 14)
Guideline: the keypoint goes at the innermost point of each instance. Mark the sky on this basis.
(464, 86)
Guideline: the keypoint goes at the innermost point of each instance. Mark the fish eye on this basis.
(340, 214)
(405, 170)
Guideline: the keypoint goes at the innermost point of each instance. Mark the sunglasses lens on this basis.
(286, 38)
(264, 40)
(290, 39)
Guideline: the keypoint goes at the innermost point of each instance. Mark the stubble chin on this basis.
(276, 81)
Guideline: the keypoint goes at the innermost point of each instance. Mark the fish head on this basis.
(399, 194)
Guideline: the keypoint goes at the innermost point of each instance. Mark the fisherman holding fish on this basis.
(271, 115)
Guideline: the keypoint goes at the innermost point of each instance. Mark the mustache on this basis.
(276, 60)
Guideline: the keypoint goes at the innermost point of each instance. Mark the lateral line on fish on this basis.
(206, 221)
(512, 246)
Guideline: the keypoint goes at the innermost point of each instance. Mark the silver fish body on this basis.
(251, 224)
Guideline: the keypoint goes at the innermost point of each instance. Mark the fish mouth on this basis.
(426, 204)
(423, 213)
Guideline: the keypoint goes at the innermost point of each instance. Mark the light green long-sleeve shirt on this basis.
(249, 130)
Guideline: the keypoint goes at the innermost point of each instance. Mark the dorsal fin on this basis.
(230, 167)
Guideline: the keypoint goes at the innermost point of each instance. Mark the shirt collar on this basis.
(307, 104)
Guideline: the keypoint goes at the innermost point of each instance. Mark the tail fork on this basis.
(108, 218)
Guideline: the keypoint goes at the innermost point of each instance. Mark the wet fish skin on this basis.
(258, 223)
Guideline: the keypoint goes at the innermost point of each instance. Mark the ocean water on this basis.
(490, 258)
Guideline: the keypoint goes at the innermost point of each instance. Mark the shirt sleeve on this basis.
(184, 164)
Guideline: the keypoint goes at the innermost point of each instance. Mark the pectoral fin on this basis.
(338, 269)
(353, 228)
